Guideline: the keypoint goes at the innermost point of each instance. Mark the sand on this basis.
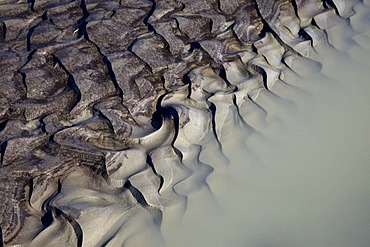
(270, 151)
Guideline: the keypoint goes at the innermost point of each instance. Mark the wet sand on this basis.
(261, 144)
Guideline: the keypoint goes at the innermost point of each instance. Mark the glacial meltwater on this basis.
(299, 170)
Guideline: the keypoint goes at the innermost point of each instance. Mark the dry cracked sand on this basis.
(185, 123)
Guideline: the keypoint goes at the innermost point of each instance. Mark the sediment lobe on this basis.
(109, 109)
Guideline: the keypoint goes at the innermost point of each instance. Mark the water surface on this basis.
(299, 174)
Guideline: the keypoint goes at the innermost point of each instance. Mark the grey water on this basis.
(301, 177)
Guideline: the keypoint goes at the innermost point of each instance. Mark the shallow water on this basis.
(299, 174)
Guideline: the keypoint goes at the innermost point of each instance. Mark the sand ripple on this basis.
(113, 113)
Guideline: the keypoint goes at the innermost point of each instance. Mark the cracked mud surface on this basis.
(115, 99)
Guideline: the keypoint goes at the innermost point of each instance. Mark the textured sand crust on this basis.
(118, 118)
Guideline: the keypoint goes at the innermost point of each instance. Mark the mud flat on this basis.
(184, 123)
